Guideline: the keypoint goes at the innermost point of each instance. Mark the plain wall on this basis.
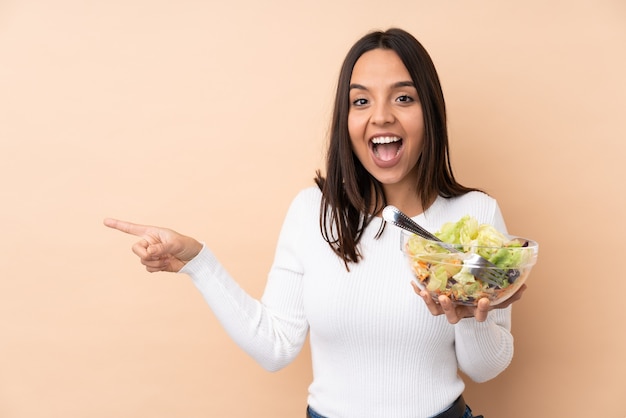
(209, 116)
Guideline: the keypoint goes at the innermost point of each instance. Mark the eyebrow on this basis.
(395, 85)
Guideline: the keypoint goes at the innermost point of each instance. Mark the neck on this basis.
(404, 198)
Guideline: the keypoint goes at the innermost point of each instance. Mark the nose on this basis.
(382, 114)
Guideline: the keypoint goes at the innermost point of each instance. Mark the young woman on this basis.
(378, 350)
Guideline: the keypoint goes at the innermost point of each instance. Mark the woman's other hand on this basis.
(159, 249)
(454, 313)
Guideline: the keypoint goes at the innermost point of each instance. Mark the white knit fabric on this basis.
(376, 349)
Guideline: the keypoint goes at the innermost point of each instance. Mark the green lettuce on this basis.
(483, 239)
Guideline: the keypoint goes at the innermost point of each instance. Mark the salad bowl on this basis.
(442, 270)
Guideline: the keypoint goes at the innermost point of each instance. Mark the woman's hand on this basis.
(454, 313)
(159, 249)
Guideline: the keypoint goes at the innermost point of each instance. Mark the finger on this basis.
(127, 227)
(158, 250)
(482, 309)
(140, 249)
(156, 265)
(150, 252)
(431, 304)
(449, 309)
(416, 288)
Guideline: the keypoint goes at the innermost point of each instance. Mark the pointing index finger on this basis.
(127, 227)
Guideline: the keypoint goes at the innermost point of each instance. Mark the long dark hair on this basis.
(349, 192)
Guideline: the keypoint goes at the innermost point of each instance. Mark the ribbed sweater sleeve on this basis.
(271, 330)
(484, 349)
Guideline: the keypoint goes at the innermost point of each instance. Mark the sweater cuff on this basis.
(202, 264)
(490, 340)
(470, 327)
(498, 320)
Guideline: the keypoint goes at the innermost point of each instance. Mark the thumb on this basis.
(158, 249)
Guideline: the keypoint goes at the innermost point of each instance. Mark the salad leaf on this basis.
(461, 232)
(483, 239)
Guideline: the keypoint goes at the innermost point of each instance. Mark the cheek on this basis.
(355, 128)
(414, 128)
(351, 124)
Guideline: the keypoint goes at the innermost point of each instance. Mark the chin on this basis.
(388, 181)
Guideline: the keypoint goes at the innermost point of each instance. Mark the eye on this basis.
(359, 102)
(405, 98)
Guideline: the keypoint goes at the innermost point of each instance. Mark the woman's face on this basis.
(385, 120)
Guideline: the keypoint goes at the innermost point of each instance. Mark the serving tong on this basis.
(479, 267)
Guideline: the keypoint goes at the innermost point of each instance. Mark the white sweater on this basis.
(376, 349)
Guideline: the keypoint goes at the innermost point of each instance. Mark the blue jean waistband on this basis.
(310, 413)
(459, 406)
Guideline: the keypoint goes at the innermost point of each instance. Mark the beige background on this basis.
(208, 116)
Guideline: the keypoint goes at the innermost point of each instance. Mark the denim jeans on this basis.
(468, 413)
(310, 413)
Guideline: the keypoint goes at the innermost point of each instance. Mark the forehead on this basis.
(377, 66)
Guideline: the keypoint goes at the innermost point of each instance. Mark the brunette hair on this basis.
(349, 192)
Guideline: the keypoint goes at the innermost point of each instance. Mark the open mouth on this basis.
(386, 148)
